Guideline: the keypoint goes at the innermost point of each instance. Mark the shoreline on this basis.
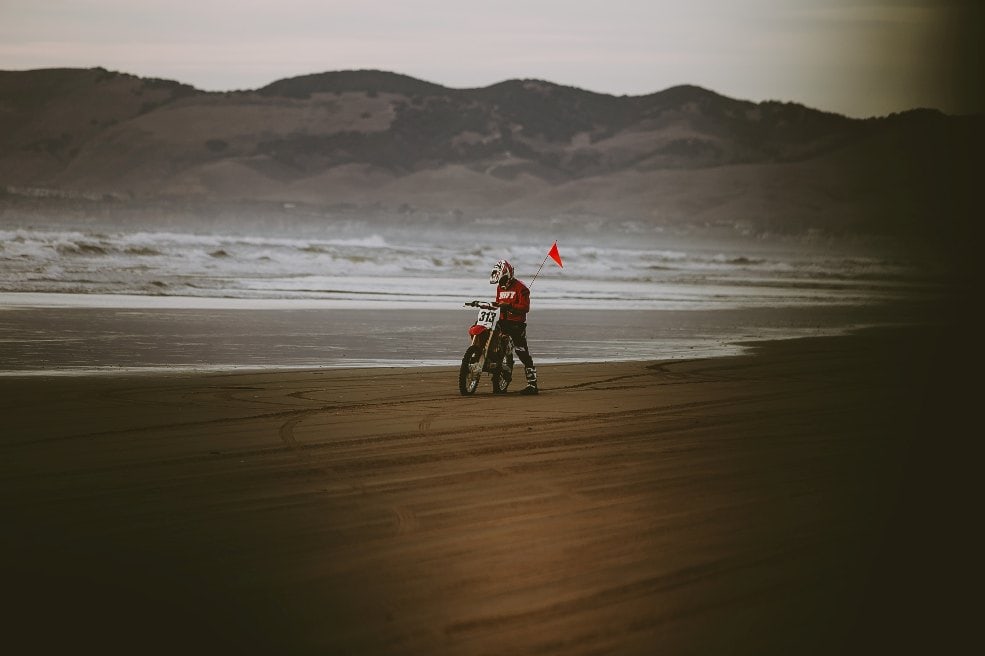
(787, 500)
(56, 342)
(739, 348)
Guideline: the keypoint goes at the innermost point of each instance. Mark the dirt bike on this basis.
(491, 351)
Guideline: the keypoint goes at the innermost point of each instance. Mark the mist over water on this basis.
(95, 299)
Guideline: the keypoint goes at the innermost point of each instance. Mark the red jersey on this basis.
(514, 301)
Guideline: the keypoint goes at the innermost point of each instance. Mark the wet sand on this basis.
(804, 498)
(94, 339)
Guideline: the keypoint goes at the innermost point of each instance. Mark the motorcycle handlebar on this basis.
(482, 304)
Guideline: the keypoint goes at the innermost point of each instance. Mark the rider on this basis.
(513, 298)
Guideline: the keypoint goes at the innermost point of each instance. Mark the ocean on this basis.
(86, 300)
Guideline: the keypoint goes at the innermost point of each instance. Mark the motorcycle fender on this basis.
(476, 330)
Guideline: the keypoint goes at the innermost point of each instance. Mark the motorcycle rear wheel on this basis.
(469, 373)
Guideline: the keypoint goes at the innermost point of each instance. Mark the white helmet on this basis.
(501, 274)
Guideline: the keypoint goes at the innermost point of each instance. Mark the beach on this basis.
(806, 496)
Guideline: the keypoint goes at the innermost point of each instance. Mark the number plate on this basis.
(486, 318)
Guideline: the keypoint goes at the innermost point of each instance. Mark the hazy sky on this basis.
(861, 58)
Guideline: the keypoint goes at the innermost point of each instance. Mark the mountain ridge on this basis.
(376, 138)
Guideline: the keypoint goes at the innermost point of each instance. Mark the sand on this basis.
(791, 500)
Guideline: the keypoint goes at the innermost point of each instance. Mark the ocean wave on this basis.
(142, 251)
(83, 248)
(143, 262)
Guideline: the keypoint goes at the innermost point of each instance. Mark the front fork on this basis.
(489, 336)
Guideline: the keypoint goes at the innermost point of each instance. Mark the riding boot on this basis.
(531, 387)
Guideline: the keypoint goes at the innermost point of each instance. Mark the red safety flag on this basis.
(555, 255)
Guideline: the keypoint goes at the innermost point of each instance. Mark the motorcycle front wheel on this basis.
(468, 375)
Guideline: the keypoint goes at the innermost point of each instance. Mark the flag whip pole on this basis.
(538, 270)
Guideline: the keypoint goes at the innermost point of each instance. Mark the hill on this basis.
(682, 156)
